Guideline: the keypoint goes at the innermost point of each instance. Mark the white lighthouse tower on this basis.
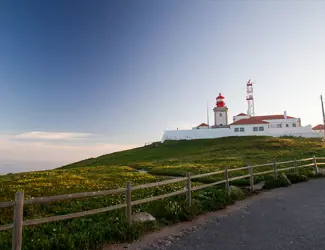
(220, 113)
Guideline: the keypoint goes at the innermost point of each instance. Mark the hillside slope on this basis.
(171, 156)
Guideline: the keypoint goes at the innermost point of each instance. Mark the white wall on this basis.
(249, 129)
(196, 134)
(299, 131)
(283, 122)
(306, 132)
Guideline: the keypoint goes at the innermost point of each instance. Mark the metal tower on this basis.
(250, 98)
(323, 113)
(208, 122)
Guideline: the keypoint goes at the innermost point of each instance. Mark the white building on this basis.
(249, 126)
(275, 121)
(244, 125)
(202, 126)
(255, 124)
(319, 128)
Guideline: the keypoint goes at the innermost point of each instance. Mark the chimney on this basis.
(285, 115)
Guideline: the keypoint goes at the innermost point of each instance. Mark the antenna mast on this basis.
(208, 115)
(323, 113)
(250, 98)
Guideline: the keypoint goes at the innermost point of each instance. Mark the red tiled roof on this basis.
(319, 127)
(241, 114)
(271, 117)
(249, 121)
(203, 125)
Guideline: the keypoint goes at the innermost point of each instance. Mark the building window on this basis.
(242, 129)
(294, 125)
(287, 125)
(279, 125)
(236, 129)
(255, 128)
(261, 128)
(220, 114)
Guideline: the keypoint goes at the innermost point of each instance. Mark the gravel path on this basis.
(286, 218)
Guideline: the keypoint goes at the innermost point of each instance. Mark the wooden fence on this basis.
(19, 202)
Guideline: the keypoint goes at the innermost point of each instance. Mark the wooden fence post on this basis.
(17, 231)
(128, 209)
(295, 166)
(188, 187)
(227, 181)
(251, 178)
(274, 169)
(315, 165)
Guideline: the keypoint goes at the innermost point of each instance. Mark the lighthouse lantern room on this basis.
(220, 113)
(220, 101)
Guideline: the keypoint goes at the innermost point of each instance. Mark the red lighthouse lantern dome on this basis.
(220, 101)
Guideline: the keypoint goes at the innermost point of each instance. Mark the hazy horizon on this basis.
(12, 166)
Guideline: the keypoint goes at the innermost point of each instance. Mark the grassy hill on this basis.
(172, 158)
(177, 157)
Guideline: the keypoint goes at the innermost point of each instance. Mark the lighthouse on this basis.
(220, 113)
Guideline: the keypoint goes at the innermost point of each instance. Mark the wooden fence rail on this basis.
(19, 202)
(40, 200)
(306, 159)
(285, 162)
(263, 165)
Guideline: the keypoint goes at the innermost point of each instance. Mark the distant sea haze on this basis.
(15, 166)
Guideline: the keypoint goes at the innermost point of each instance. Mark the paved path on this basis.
(286, 218)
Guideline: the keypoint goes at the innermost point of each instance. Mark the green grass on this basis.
(63, 181)
(198, 156)
(175, 158)
(172, 158)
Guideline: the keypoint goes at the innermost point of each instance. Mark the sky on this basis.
(79, 79)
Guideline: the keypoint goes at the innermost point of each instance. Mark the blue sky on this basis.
(95, 77)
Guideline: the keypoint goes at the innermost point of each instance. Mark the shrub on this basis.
(241, 182)
(173, 210)
(310, 174)
(213, 199)
(236, 193)
(281, 181)
(295, 178)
